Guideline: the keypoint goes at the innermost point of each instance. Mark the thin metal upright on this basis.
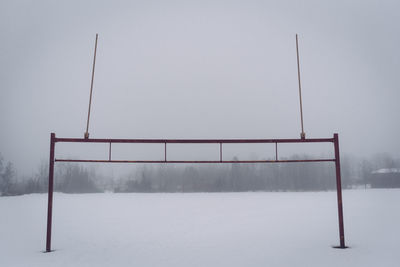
(50, 192)
(339, 191)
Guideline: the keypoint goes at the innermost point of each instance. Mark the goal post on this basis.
(54, 140)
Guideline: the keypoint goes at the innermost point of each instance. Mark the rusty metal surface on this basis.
(220, 152)
(50, 193)
(339, 191)
(192, 161)
(334, 140)
(195, 141)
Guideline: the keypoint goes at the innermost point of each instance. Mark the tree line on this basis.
(71, 178)
(235, 177)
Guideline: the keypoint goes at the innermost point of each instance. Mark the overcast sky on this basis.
(198, 69)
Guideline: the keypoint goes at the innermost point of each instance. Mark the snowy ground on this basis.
(217, 229)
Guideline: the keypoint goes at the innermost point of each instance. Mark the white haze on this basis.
(198, 69)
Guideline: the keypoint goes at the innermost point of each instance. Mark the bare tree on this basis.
(7, 175)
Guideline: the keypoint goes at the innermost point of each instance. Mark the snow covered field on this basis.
(203, 229)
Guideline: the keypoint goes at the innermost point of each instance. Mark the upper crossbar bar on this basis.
(195, 141)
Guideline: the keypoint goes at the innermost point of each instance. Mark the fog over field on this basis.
(217, 69)
(187, 69)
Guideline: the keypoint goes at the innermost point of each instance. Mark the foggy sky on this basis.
(198, 69)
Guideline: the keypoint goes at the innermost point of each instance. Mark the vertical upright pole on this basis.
(165, 152)
(109, 152)
(302, 134)
(50, 192)
(339, 191)
(220, 152)
(91, 88)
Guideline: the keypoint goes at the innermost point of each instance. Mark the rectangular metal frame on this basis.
(54, 140)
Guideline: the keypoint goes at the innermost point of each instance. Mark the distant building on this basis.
(385, 178)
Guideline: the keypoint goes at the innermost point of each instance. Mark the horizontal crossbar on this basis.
(196, 141)
(191, 161)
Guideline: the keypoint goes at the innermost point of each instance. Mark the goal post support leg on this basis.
(339, 191)
(50, 192)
